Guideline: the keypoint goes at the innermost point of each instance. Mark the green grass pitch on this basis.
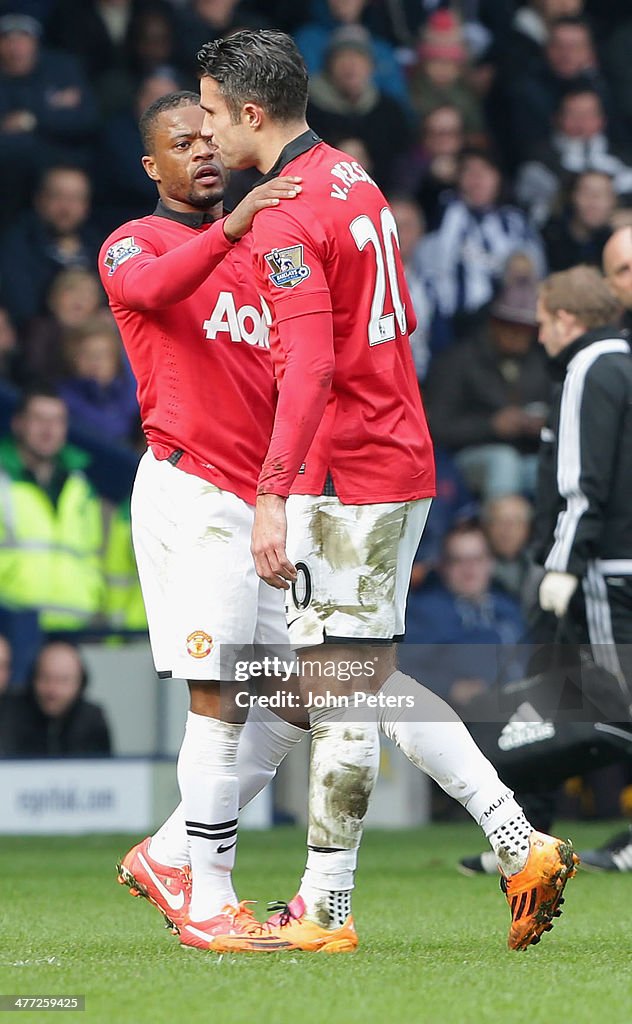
(433, 944)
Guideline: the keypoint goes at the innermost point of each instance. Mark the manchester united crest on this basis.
(288, 268)
(199, 644)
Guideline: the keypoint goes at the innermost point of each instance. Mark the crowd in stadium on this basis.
(501, 132)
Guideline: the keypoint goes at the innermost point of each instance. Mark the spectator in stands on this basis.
(579, 143)
(534, 95)
(55, 234)
(344, 102)
(459, 621)
(487, 397)
(74, 297)
(439, 78)
(123, 190)
(530, 30)
(507, 524)
(313, 40)
(100, 392)
(47, 111)
(97, 32)
(464, 258)
(453, 503)
(51, 533)
(52, 717)
(430, 170)
(204, 20)
(579, 234)
(410, 228)
(152, 41)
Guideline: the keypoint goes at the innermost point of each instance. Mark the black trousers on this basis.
(599, 615)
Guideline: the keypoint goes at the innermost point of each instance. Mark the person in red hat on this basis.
(440, 76)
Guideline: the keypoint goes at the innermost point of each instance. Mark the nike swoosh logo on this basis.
(175, 901)
(224, 849)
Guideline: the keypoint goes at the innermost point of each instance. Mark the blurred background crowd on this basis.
(500, 130)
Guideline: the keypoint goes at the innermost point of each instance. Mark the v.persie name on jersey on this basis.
(348, 172)
(246, 323)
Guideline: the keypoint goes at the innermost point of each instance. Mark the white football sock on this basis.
(264, 743)
(327, 884)
(343, 769)
(170, 844)
(433, 737)
(207, 774)
(510, 843)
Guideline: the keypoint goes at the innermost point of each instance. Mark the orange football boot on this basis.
(235, 930)
(307, 935)
(169, 889)
(534, 894)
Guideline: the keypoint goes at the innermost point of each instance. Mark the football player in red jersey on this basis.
(344, 493)
(179, 285)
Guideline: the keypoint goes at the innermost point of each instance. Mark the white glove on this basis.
(556, 590)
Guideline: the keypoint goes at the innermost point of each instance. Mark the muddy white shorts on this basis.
(354, 564)
(201, 591)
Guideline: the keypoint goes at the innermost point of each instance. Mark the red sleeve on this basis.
(303, 394)
(137, 277)
(289, 256)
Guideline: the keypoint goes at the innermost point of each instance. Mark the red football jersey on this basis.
(196, 335)
(328, 265)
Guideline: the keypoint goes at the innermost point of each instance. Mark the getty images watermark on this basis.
(482, 683)
(327, 677)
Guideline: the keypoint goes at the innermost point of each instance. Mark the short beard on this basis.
(208, 201)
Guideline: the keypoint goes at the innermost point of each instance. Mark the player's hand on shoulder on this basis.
(260, 198)
(268, 542)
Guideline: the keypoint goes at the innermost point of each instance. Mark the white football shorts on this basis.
(354, 564)
(201, 591)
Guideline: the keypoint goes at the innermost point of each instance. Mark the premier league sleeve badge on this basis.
(288, 268)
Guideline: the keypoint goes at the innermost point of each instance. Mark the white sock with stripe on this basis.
(207, 775)
(264, 743)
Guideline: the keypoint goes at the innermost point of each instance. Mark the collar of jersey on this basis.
(192, 220)
(295, 148)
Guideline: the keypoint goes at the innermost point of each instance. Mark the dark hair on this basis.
(263, 67)
(463, 528)
(582, 291)
(170, 101)
(42, 390)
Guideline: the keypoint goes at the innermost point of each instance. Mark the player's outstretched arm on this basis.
(137, 277)
(261, 197)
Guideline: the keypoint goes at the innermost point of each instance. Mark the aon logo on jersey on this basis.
(247, 323)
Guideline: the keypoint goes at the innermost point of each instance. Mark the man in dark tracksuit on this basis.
(583, 520)
(583, 514)
(616, 854)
